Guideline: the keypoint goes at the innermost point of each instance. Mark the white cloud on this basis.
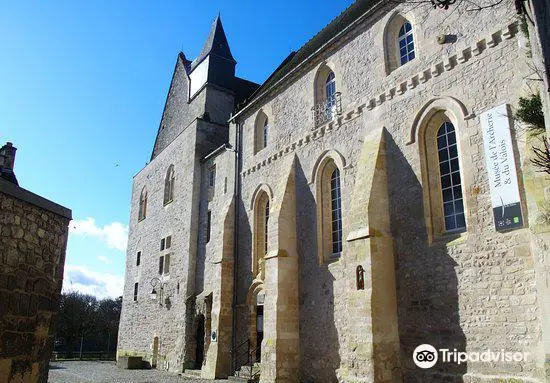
(84, 280)
(103, 259)
(115, 234)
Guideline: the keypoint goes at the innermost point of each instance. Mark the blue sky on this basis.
(82, 88)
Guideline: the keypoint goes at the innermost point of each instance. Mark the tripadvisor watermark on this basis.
(426, 356)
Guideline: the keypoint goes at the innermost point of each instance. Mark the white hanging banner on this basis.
(501, 167)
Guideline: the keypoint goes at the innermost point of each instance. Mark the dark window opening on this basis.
(135, 291)
(161, 264)
(208, 225)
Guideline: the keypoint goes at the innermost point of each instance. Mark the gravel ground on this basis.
(87, 372)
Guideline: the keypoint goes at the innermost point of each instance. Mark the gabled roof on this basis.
(216, 44)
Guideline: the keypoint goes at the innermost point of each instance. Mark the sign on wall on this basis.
(501, 166)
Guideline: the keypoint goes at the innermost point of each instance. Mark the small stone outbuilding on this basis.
(33, 240)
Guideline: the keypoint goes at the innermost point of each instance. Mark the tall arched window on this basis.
(329, 210)
(261, 131)
(406, 43)
(445, 204)
(266, 220)
(451, 185)
(261, 219)
(336, 210)
(265, 131)
(327, 101)
(142, 205)
(169, 185)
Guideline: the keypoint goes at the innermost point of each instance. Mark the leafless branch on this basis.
(478, 7)
(542, 160)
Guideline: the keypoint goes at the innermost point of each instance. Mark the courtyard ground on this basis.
(96, 372)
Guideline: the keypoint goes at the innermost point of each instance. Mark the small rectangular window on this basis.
(225, 185)
(161, 265)
(138, 258)
(212, 176)
(135, 291)
(167, 264)
(168, 241)
(208, 225)
(162, 244)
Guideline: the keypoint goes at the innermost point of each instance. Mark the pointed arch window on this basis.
(329, 211)
(265, 132)
(445, 203)
(266, 215)
(336, 213)
(142, 205)
(451, 184)
(261, 132)
(261, 219)
(330, 93)
(399, 42)
(406, 43)
(327, 98)
(169, 185)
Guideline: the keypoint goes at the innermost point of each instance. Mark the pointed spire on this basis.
(216, 43)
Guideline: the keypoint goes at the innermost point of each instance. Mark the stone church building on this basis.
(374, 194)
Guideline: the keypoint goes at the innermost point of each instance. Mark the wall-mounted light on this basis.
(161, 294)
(442, 3)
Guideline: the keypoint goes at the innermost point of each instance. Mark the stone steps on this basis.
(245, 372)
(191, 374)
(239, 379)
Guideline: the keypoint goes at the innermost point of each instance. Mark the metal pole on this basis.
(236, 196)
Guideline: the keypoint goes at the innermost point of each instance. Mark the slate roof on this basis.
(216, 44)
(243, 89)
(348, 16)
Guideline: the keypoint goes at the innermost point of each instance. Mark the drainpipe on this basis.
(237, 196)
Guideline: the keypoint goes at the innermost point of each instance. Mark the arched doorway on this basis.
(260, 298)
(255, 301)
(199, 351)
(155, 352)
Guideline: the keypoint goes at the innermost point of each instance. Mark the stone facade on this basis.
(32, 256)
(352, 311)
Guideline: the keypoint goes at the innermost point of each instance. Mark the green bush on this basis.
(530, 112)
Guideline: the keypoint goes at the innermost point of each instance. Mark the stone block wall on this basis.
(144, 320)
(473, 291)
(33, 239)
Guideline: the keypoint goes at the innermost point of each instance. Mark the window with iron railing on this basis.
(325, 110)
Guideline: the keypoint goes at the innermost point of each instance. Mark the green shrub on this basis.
(530, 112)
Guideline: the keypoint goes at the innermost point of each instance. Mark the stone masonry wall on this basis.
(471, 292)
(143, 320)
(32, 257)
(184, 219)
